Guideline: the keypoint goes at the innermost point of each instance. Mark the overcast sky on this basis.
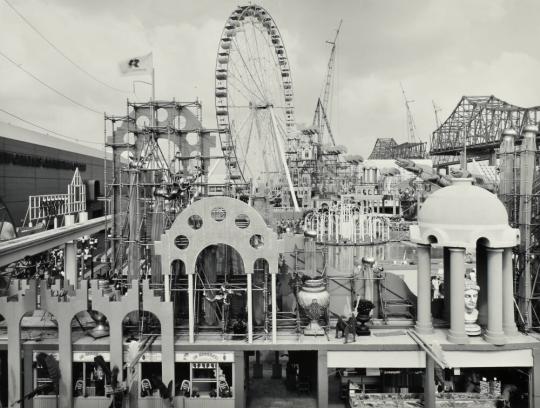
(439, 50)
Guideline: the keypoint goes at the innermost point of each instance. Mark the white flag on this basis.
(137, 65)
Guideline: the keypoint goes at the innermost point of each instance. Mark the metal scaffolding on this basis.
(160, 163)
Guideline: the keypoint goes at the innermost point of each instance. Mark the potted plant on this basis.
(363, 315)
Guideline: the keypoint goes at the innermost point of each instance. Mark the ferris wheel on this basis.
(254, 97)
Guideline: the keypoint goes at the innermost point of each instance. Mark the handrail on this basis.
(18, 248)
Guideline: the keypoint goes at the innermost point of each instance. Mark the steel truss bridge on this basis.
(476, 125)
(388, 148)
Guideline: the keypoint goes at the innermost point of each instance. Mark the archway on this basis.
(261, 297)
(179, 294)
(220, 291)
(91, 372)
(40, 362)
(141, 329)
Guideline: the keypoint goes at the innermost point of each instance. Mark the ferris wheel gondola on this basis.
(254, 97)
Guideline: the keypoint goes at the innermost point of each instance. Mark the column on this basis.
(457, 334)
(481, 279)
(239, 380)
(423, 305)
(274, 308)
(28, 373)
(65, 351)
(167, 287)
(70, 256)
(322, 379)
(534, 380)
(70, 262)
(250, 308)
(494, 332)
(257, 366)
(191, 316)
(509, 324)
(429, 383)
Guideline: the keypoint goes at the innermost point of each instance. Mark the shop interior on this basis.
(281, 375)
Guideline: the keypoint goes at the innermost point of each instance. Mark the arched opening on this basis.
(179, 294)
(432, 239)
(141, 329)
(261, 290)
(220, 291)
(91, 372)
(38, 327)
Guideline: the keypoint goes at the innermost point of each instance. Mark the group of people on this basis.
(289, 225)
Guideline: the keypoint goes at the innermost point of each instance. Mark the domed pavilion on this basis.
(459, 217)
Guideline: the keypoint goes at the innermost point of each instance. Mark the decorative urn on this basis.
(363, 315)
(314, 300)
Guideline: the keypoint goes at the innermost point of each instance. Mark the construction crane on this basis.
(321, 117)
(411, 126)
(436, 110)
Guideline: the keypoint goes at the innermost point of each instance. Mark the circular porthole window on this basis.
(181, 242)
(219, 213)
(195, 221)
(256, 241)
(242, 221)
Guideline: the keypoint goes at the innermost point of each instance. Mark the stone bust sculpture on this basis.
(471, 313)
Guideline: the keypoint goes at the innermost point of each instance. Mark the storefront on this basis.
(42, 383)
(204, 379)
(90, 380)
(376, 378)
(485, 378)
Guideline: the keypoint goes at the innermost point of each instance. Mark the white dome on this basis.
(460, 214)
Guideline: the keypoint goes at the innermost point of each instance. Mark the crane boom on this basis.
(411, 126)
(330, 69)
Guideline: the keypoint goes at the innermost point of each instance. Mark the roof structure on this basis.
(20, 134)
(469, 213)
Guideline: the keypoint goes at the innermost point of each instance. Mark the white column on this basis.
(509, 324)
(250, 308)
(83, 216)
(167, 287)
(274, 309)
(70, 256)
(494, 332)
(191, 317)
(457, 333)
(423, 307)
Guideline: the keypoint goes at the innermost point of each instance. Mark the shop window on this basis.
(150, 379)
(41, 380)
(89, 379)
(204, 380)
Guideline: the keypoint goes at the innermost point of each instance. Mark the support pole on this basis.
(322, 379)
(429, 383)
(274, 308)
(250, 308)
(284, 160)
(191, 316)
